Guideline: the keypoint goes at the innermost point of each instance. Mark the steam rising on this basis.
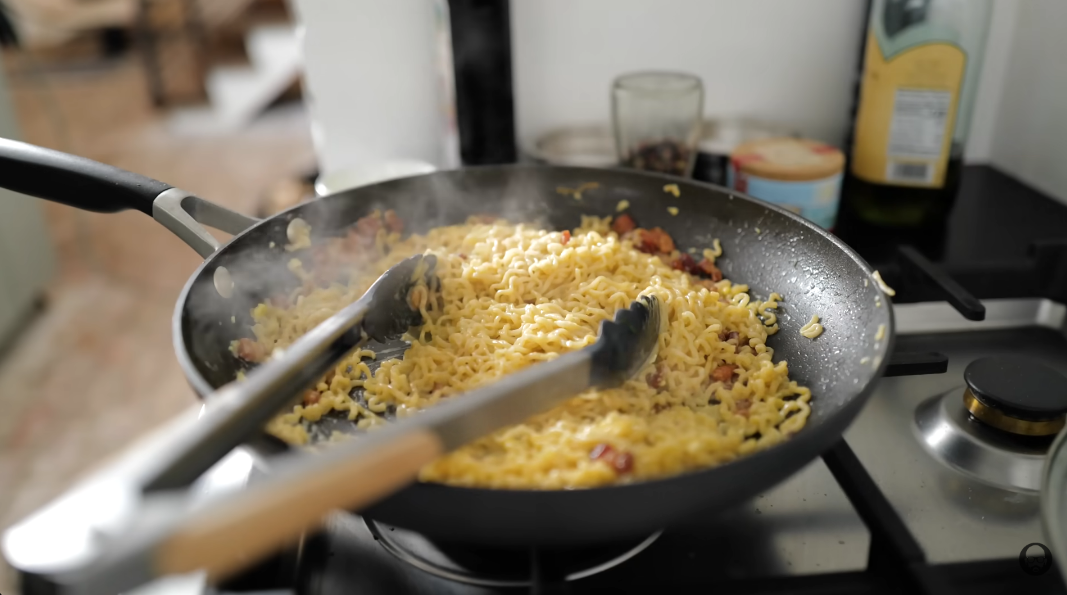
(257, 262)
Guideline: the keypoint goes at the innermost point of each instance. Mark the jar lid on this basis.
(788, 159)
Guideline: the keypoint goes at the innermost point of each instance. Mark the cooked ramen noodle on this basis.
(513, 295)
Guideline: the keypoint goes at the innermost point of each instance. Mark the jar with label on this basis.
(721, 137)
(803, 176)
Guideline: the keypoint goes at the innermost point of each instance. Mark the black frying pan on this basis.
(764, 246)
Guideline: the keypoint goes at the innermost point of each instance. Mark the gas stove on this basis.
(934, 488)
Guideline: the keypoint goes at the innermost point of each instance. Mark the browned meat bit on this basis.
(602, 451)
(623, 224)
(742, 407)
(566, 237)
(724, 373)
(393, 222)
(708, 268)
(655, 379)
(368, 226)
(359, 238)
(728, 336)
(462, 256)
(311, 397)
(622, 462)
(684, 262)
(328, 378)
(660, 408)
(666, 243)
(280, 301)
(250, 351)
(654, 241)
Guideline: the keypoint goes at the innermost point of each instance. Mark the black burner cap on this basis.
(1019, 387)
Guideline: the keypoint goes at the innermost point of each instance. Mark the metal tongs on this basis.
(135, 518)
(172, 532)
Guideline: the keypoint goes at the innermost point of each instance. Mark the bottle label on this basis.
(907, 110)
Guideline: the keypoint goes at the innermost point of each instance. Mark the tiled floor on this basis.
(97, 368)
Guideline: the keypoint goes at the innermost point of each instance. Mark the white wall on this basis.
(372, 80)
(991, 84)
(776, 59)
(375, 92)
(1030, 138)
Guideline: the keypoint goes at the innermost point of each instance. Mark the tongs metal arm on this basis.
(121, 526)
(240, 409)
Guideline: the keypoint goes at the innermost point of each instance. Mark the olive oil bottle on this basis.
(916, 91)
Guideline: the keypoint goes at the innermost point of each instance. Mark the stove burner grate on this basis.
(502, 568)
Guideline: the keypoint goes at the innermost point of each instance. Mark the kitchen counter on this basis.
(996, 217)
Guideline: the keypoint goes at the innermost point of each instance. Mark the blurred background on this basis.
(249, 103)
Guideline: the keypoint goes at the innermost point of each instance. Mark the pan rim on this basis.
(845, 414)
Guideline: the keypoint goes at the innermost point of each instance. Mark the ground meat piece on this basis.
(311, 397)
(462, 256)
(666, 243)
(724, 373)
(280, 301)
(566, 237)
(728, 336)
(250, 351)
(623, 224)
(368, 226)
(655, 379)
(393, 222)
(359, 239)
(647, 241)
(655, 241)
(708, 268)
(328, 378)
(602, 451)
(622, 462)
(684, 262)
(742, 407)
(660, 408)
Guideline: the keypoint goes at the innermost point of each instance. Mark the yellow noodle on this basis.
(812, 329)
(514, 295)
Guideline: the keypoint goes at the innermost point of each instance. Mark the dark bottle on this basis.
(481, 55)
(915, 96)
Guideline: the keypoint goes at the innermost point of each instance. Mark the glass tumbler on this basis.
(657, 118)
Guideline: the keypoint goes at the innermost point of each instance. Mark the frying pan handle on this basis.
(76, 181)
(182, 213)
(93, 186)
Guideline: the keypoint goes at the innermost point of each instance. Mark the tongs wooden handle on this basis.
(173, 533)
(304, 487)
(228, 535)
